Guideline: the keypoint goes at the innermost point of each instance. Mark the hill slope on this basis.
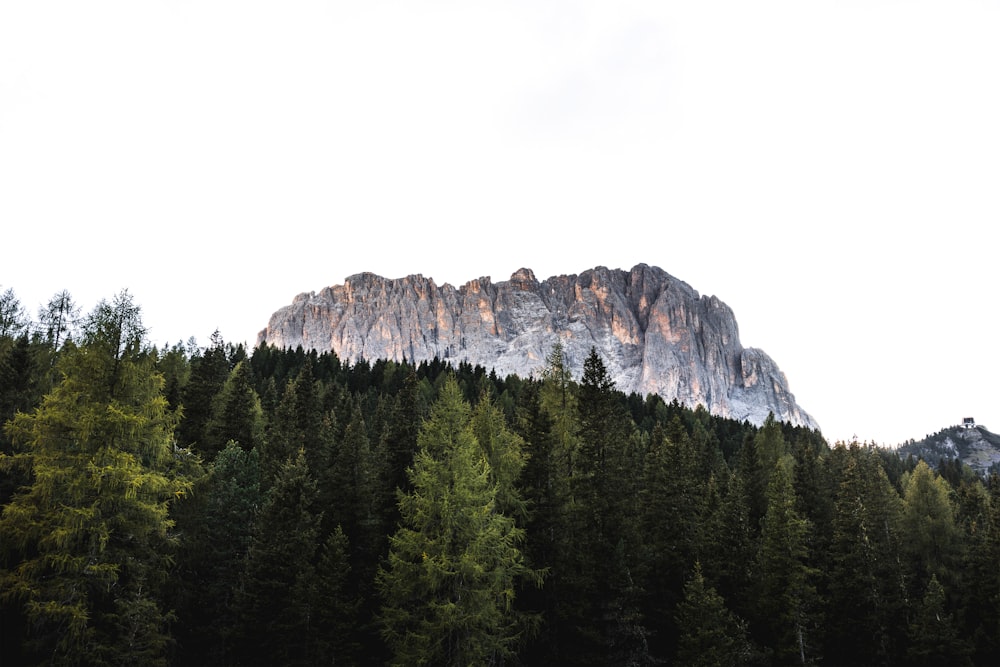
(976, 447)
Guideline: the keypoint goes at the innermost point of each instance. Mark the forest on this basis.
(216, 505)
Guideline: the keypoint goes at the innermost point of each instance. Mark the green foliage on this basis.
(236, 414)
(208, 374)
(279, 598)
(710, 635)
(930, 535)
(89, 540)
(932, 633)
(786, 597)
(867, 593)
(454, 563)
(389, 512)
(13, 319)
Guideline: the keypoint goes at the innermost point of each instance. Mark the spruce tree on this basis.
(786, 598)
(867, 593)
(209, 370)
(278, 596)
(931, 539)
(236, 414)
(454, 562)
(710, 634)
(933, 637)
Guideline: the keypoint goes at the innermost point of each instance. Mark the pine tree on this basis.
(454, 562)
(602, 519)
(335, 623)
(931, 540)
(504, 451)
(13, 318)
(558, 400)
(710, 635)
(58, 319)
(218, 522)
(88, 543)
(297, 426)
(209, 371)
(236, 414)
(933, 637)
(279, 597)
(867, 591)
(673, 515)
(786, 596)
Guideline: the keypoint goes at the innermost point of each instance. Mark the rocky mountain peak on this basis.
(655, 333)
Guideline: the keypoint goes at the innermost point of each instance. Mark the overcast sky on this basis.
(829, 169)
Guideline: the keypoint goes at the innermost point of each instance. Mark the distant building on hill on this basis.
(969, 422)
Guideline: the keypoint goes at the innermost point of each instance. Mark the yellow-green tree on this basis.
(454, 562)
(87, 544)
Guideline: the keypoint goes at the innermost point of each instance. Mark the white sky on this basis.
(829, 169)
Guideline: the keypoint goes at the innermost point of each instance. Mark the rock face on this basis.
(654, 333)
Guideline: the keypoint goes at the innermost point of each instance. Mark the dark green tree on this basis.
(866, 603)
(218, 522)
(209, 371)
(786, 598)
(673, 516)
(58, 319)
(710, 634)
(279, 596)
(236, 414)
(931, 540)
(298, 425)
(933, 635)
(13, 319)
(335, 626)
(601, 603)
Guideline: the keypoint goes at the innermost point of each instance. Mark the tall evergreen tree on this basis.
(218, 522)
(279, 596)
(88, 543)
(13, 318)
(335, 624)
(504, 450)
(673, 514)
(933, 636)
(236, 414)
(867, 592)
(297, 426)
(58, 319)
(786, 597)
(931, 540)
(601, 550)
(710, 634)
(454, 562)
(209, 371)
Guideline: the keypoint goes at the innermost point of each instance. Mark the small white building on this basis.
(968, 422)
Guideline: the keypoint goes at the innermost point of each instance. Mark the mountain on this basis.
(654, 332)
(973, 445)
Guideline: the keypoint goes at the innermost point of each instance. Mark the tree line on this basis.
(223, 506)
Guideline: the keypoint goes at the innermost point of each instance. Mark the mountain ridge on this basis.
(655, 333)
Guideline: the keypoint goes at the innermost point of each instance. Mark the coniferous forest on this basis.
(215, 505)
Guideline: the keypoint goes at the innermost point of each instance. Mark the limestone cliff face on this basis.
(654, 332)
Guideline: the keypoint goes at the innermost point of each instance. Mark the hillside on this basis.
(974, 446)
